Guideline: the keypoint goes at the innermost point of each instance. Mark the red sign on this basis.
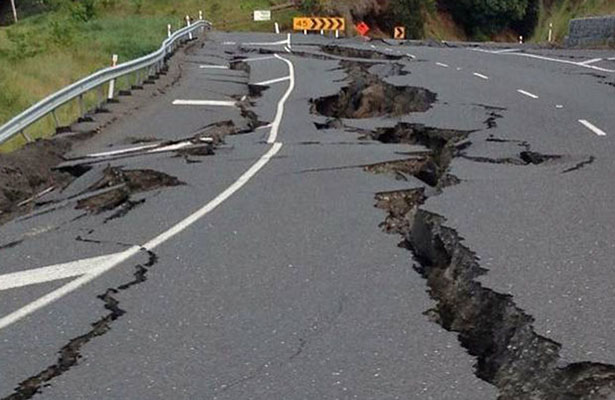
(362, 28)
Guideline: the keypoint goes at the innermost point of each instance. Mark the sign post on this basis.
(399, 33)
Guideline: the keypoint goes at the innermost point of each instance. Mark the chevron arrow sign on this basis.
(319, 23)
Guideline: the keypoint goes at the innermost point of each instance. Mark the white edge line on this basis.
(272, 81)
(528, 94)
(485, 77)
(119, 258)
(275, 125)
(285, 41)
(116, 259)
(592, 127)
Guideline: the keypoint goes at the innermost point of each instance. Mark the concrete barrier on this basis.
(592, 31)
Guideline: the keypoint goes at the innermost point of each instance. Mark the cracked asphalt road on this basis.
(288, 288)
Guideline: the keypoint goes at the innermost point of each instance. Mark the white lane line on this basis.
(275, 125)
(592, 61)
(122, 151)
(611, 59)
(268, 126)
(504, 51)
(258, 59)
(592, 127)
(217, 103)
(560, 61)
(109, 262)
(288, 41)
(442, 65)
(412, 56)
(528, 94)
(481, 76)
(272, 81)
(281, 42)
(287, 49)
(229, 43)
(213, 67)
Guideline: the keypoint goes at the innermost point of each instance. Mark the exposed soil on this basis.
(29, 170)
(125, 183)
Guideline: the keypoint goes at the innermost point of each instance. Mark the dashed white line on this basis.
(213, 67)
(279, 43)
(611, 59)
(481, 76)
(592, 127)
(272, 81)
(258, 59)
(442, 65)
(412, 56)
(216, 103)
(559, 61)
(528, 94)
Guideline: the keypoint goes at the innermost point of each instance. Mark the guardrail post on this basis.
(112, 83)
(550, 32)
(26, 136)
(81, 106)
(277, 28)
(188, 25)
(169, 30)
(55, 119)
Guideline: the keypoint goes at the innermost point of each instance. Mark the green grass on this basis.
(560, 12)
(41, 54)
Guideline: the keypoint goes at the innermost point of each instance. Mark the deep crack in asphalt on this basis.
(70, 354)
(510, 354)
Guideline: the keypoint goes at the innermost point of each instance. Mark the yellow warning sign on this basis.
(317, 24)
(400, 32)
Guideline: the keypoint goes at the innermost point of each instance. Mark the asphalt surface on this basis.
(283, 286)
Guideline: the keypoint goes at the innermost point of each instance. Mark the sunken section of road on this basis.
(510, 354)
(367, 96)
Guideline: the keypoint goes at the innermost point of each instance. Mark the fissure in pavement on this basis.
(70, 354)
(510, 354)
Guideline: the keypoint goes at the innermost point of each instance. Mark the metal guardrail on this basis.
(76, 90)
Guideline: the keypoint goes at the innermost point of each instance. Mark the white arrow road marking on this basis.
(592, 127)
(46, 274)
(272, 81)
(528, 94)
(217, 103)
(89, 269)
